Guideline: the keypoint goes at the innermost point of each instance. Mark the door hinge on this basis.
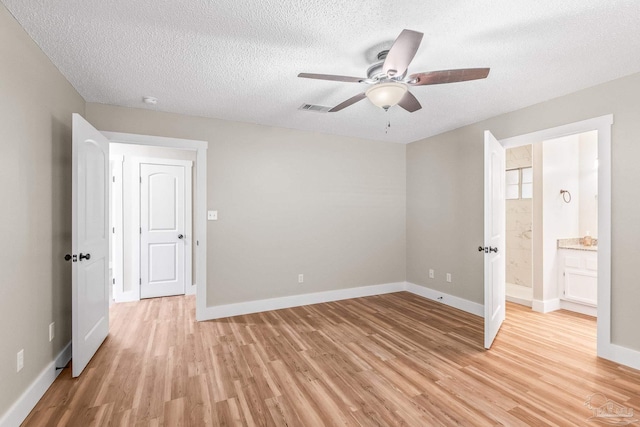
(140, 281)
(197, 242)
(113, 281)
(140, 180)
(140, 230)
(113, 230)
(113, 178)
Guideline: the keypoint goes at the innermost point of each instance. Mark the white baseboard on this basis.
(129, 296)
(450, 300)
(228, 310)
(620, 355)
(545, 306)
(249, 307)
(191, 290)
(579, 308)
(521, 301)
(16, 414)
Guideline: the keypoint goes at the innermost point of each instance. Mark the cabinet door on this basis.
(581, 286)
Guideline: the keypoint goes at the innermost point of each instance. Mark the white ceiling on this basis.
(238, 60)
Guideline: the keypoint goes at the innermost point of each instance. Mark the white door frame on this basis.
(117, 254)
(606, 348)
(135, 218)
(200, 201)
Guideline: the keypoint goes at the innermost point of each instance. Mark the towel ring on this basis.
(566, 193)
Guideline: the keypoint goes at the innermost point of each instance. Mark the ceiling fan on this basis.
(388, 77)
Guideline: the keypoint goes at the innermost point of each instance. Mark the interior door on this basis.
(162, 230)
(494, 237)
(90, 242)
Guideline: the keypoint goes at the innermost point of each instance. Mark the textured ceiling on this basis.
(238, 60)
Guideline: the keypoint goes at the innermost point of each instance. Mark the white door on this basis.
(90, 242)
(494, 237)
(164, 234)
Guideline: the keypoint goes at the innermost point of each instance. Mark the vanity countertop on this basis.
(577, 245)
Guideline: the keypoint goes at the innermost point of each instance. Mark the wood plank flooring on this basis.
(394, 359)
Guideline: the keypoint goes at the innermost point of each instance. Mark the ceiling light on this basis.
(385, 95)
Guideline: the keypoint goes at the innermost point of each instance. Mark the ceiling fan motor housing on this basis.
(375, 73)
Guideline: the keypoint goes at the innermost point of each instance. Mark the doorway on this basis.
(602, 125)
(564, 179)
(130, 153)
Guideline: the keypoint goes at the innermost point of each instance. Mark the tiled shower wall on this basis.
(519, 221)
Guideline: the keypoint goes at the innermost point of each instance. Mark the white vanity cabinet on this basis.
(578, 276)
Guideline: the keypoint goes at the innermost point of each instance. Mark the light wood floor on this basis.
(395, 359)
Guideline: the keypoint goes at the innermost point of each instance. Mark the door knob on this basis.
(180, 236)
(487, 250)
(87, 256)
(67, 257)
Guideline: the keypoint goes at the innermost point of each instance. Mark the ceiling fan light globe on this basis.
(385, 95)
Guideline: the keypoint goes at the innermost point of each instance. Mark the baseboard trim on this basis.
(545, 306)
(258, 306)
(249, 307)
(450, 300)
(579, 308)
(16, 414)
(620, 355)
(191, 290)
(521, 301)
(129, 296)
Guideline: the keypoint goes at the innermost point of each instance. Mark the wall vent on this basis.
(314, 108)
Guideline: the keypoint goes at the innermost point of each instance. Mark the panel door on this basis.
(494, 237)
(162, 230)
(90, 242)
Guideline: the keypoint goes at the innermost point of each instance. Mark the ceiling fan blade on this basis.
(448, 76)
(409, 102)
(348, 102)
(402, 52)
(332, 77)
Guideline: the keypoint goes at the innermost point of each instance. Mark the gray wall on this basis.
(445, 196)
(289, 202)
(36, 103)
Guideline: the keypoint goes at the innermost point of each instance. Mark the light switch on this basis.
(212, 215)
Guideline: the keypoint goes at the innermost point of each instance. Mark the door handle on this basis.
(67, 257)
(487, 250)
(87, 256)
(180, 236)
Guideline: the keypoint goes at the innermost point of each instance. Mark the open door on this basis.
(494, 238)
(90, 242)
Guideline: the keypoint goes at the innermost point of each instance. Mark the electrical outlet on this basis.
(20, 361)
(449, 277)
(432, 274)
(300, 278)
(212, 215)
(52, 331)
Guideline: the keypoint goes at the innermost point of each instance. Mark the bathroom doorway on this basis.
(544, 299)
(553, 183)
